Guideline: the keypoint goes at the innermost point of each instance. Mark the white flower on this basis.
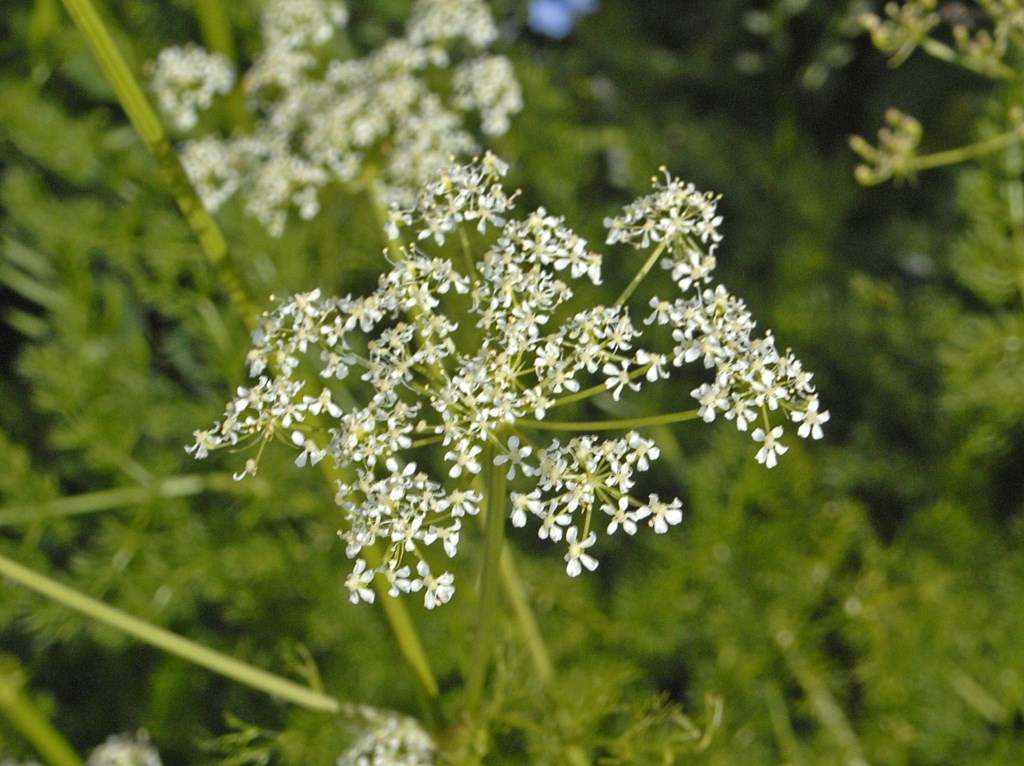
(205, 441)
(436, 590)
(709, 324)
(577, 557)
(621, 516)
(619, 378)
(309, 450)
(514, 458)
(358, 583)
(552, 526)
(520, 505)
(464, 458)
(662, 515)
(399, 581)
(810, 420)
(768, 454)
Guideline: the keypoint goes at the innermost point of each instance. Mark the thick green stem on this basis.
(29, 721)
(167, 641)
(487, 619)
(215, 27)
(147, 125)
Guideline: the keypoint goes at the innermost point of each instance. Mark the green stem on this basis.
(399, 620)
(403, 628)
(963, 153)
(512, 583)
(167, 641)
(215, 26)
(494, 534)
(610, 425)
(29, 721)
(147, 125)
(90, 502)
(210, 238)
(996, 70)
(648, 264)
(587, 393)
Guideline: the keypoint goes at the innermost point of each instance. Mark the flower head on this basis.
(457, 371)
(404, 109)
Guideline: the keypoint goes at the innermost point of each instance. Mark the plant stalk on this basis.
(610, 425)
(212, 241)
(487, 616)
(169, 642)
(150, 130)
(644, 270)
(30, 722)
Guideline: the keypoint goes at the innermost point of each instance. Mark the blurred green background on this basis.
(863, 603)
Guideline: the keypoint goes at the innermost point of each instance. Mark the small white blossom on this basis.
(309, 451)
(358, 583)
(619, 378)
(436, 590)
(810, 420)
(622, 516)
(769, 453)
(662, 515)
(577, 557)
(514, 457)
(464, 458)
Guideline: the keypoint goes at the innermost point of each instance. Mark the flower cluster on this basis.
(982, 35)
(461, 370)
(896, 154)
(905, 27)
(389, 739)
(394, 116)
(186, 79)
(751, 377)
